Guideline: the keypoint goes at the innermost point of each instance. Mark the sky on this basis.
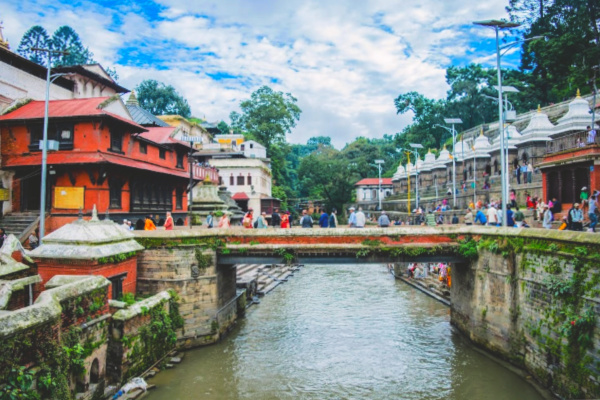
(345, 61)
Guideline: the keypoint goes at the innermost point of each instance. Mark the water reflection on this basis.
(342, 332)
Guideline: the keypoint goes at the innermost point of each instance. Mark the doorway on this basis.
(30, 193)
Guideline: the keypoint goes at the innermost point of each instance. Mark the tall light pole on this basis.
(416, 146)
(49, 79)
(497, 25)
(379, 162)
(453, 121)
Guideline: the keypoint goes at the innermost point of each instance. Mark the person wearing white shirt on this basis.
(360, 218)
(492, 216)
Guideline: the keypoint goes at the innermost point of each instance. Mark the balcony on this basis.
(577, 140)
(200, 173)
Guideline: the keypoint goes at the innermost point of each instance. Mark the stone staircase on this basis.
(20, 224)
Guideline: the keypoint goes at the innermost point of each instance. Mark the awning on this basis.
(240, 196)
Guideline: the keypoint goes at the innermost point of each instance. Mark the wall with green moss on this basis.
(534, 300)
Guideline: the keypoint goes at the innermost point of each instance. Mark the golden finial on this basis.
(444, 147)
(578, 93)
(481, 131)
(539, 108)
(3, 43)
(429, 151)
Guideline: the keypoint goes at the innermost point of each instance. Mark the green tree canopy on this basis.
(66, 39)
(161, 99)
(35, 37)
(268, 116)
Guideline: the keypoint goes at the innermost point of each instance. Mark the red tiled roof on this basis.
(374, 181)
(240, 196)
(65, 109)
(59, 158)
(162, 135)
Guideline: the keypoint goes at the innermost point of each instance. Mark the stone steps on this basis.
(263, 278)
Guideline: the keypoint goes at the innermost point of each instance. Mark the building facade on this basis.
(104, 158)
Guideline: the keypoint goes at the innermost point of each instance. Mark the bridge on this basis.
(527, 295)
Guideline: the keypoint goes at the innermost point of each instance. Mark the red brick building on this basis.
(104, 158)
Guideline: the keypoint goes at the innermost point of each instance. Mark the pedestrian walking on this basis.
(518, 173)
(169, 222)
(333, 219)
(529, 172)
(210, 220)
(224, 221)
(324, 220)
(592, 213)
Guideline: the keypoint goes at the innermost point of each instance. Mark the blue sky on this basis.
(345, 62)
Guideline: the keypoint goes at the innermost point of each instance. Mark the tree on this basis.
(161, 99)
(329, 176)
(268, 116)
(67, 40)
(35, 37)
(223, 127)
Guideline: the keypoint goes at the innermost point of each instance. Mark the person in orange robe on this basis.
(285, 220)
(149, 225)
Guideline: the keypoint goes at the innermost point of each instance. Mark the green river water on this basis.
(342, 332)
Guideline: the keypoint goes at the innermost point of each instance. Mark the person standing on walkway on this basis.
(169, 222)
(513, 198)
(248, 220)
(524, 173)
(285, 220)
(591, 135)
(352, 218)
(149, 224)
(276, 219)
(333, 219)
(519, 217)
(592, 210)
(360, 218)
(518, 173)
(529, 172)
(324, 220)
(224, 221)
(383, 221)
(306, 221)
(492, 216)
(547, 219)
(584, 197)
(469, 217)
(576, 218)
(261, 222)
(210, 220)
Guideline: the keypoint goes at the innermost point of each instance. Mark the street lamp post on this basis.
(379, 162)
(453, 121)
(416, 154)
(49, 78)
(497, 25)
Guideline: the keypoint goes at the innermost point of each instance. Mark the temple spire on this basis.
(132, 100)
(578, 93)
(539, 110)
(3, 42)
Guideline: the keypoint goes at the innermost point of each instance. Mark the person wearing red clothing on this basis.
(169, 222)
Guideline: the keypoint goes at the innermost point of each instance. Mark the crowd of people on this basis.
(439, 271)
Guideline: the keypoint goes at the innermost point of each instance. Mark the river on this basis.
(342, 332)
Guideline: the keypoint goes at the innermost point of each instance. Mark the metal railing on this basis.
(569, 142)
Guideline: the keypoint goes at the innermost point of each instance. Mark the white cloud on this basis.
(345, 61)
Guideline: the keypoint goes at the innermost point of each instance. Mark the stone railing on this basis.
(569, 142)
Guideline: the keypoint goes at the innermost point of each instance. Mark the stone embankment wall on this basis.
(533, 297)
(207, 292)
(141, 336)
